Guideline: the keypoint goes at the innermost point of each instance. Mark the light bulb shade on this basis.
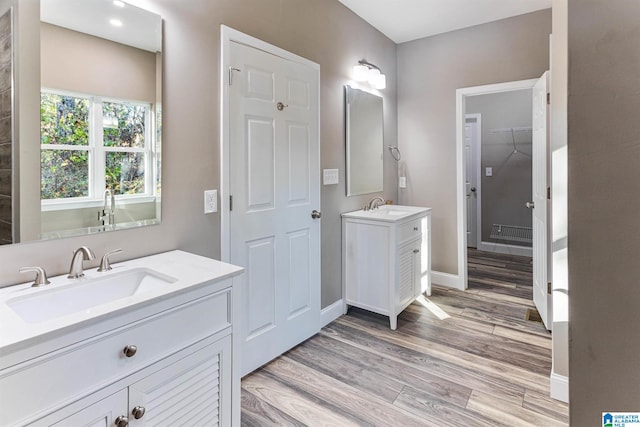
(360, 73)
(379, 81)
(373, 75)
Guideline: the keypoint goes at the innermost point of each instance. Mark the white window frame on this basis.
(97, 156)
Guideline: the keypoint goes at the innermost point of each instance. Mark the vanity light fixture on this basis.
(368, 72)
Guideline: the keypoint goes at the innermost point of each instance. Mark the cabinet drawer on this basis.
(409, 230)
(72, 372)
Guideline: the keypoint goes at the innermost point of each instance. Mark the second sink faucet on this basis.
(375, 203)
(81, 254)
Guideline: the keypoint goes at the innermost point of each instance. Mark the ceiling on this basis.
(406, 20)
(140, 28)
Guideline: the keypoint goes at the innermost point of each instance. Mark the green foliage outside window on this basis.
(64, 120)
(124, 127)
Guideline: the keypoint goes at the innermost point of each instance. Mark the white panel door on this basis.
(539, 194)
(471, 186)
(275, 186)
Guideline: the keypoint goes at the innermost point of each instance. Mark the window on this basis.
(89, 144)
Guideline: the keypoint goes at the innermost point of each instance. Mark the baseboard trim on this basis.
(559, 387)
(501, 248)
(448, 280)
(331, 313)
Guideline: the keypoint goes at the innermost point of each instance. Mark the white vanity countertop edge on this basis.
(190, 270)
(379, 215)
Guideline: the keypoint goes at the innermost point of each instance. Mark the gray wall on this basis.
(604, 183)
(107, 68)
(323, 31)
(430, 71)
(504, 193)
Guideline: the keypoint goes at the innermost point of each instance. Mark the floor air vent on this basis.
(512, 233)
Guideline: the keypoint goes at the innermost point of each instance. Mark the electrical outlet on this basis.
(488, 172)
(210, 201)
(402, 182)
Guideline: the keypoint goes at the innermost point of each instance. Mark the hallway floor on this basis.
(457, 359)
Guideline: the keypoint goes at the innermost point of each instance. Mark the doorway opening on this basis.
(498, 149)
(501, 230)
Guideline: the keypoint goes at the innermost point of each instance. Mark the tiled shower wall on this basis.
(6, 134)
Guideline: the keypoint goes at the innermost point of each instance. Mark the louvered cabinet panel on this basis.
(408, 272)
(191, 392)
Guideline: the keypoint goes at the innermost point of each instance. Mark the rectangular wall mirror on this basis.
(364, 141)
(96, 166)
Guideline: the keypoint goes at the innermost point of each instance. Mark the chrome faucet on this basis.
(108, 212)
(374, 203)
(81, 254)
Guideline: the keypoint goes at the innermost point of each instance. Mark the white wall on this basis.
(560, 280)
(430, 71)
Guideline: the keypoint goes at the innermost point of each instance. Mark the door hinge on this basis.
(548, 98)
(230, 203)
(548, 193)
(231, 70)
(548, 287)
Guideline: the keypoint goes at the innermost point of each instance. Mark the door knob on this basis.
(530, 205)
(315, 214)
(473, 189)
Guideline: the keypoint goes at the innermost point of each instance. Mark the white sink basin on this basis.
(393, 212)
(84, 294)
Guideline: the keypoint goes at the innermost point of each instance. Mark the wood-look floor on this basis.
(457, 359)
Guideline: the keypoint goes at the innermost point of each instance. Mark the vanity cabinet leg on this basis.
(393, 320)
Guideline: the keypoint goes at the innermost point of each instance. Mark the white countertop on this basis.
(190, 270)
(389, 213)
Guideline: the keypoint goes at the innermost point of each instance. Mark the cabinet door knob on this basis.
(138, 412)
(415, 228)
(122, 421)
(130, 350)
(415, 251)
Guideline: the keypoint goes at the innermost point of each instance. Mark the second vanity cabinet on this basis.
(386, 258)
(171, 358)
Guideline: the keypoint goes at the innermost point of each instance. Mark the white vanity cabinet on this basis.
(167, 360)
(188, 391)
(386, 258)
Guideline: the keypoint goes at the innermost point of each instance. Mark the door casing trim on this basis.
(461, 281)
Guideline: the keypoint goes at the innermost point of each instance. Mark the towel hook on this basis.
(395, 153)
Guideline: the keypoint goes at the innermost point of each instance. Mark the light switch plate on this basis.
(488, 171)
(330, 177)
(210, 201)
